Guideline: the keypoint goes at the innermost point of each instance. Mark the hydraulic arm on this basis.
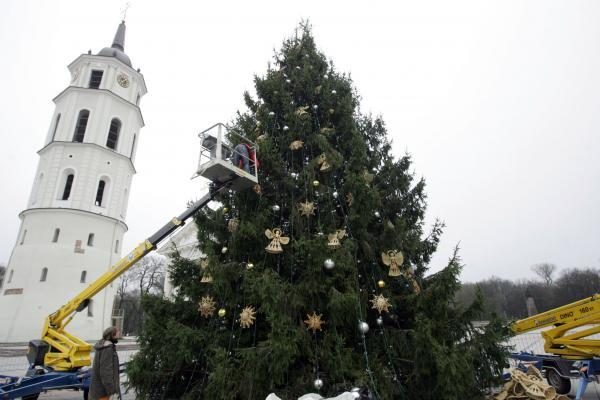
(66, 351)
(572, 326)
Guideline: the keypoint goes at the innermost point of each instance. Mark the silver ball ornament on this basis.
(379, 321)
(329, 264)
(335, 195)
(318, 383)
(363, 327)
(276, 207)
(333, 92)
(271, 114)
(326, 76)
(224, 250)
(288, 81)
(377, 214)
(315, 107)
(297, 67)
(286, 128)
(294, 175)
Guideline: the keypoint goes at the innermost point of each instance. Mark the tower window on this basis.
(90, 308)
(55, 127)
(95, 79)
(100, 193)
(23, 237)
(83, 276)
(10, 276)
(68, 186)
(113, 134)
(82, 121)
(90, 239)
(56, 234)
(117, 246)
(44, 274)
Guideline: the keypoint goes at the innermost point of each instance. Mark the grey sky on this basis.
(497, 101)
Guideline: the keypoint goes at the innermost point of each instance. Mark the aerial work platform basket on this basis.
(220, 161)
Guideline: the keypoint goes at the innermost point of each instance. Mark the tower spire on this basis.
(119, 40)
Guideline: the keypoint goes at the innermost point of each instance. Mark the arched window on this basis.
(100, 192)
(55, 127)
(113, 134)
(117, 246)
(82, 121)
(83, 276)
(10, 276)
(23, 237)
(90, 239)
(68, 185)
(44, 274)
(90, 308)
(56, 235)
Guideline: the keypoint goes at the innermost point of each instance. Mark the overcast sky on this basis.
(497, 101)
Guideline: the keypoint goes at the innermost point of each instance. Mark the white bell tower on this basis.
(72, 228)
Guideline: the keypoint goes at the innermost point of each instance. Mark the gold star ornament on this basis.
(380, 303)
(296, 145)
(247, 317)
(306, 209)
(206, 306)
(302, 112)
(314, 322)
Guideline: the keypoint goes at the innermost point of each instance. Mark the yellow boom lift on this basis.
(570, 339)
(61, 351)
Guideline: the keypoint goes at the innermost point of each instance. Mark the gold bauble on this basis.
(225, 210)
(331, 111)
(249, 265)
(316, 183)
(222, 312)
(381, 283)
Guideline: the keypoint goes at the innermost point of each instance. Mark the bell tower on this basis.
(73, 225)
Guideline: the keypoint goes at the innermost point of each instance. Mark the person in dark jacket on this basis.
(105, 369)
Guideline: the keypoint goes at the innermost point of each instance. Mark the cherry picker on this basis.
(573, 350)
(59, 358)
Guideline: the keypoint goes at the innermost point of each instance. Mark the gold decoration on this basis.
(206, 306)
(296, 145)
(257, 189)
(327, 131)
(225, 210)
(301, 112)
(316, 183)
(206, 278)
(380, 303)
(247, 317)
(222, 312)
(325, 166)
(334, 239)
(381, 283)
(331, 111)
(314, 322)
(262, 138)
(276, 241)
(306, 209)
(350, 199)
(249, 265)
(393, 259)
(233, 224)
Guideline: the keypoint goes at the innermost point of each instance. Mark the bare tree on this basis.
(545, 271)
(150, 275)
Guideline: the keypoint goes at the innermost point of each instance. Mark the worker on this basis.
(244, 157)
(105, 370)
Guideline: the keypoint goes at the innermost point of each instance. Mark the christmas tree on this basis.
(316, 280)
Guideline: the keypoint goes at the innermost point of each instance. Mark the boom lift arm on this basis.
(67, 352)
(558, 340)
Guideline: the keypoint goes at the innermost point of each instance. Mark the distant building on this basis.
(73, 225)
(2, 275)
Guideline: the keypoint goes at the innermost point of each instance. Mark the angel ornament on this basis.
(233, 224)
(296, 145)
(206, 278)
(276, 241)
(393, 259)
(334, 239)
(325, 166)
